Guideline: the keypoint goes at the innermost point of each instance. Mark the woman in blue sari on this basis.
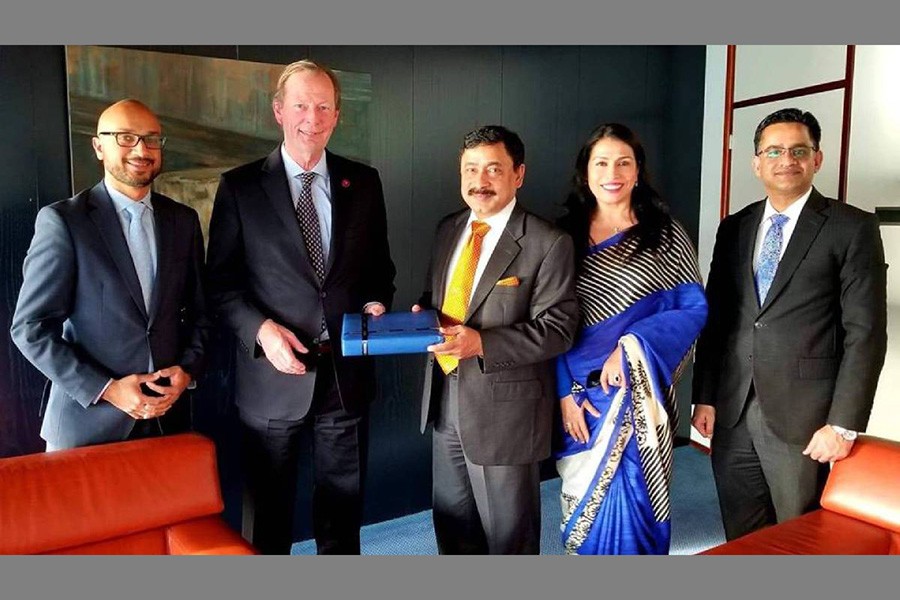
(642, 307)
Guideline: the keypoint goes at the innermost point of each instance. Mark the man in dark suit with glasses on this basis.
(787, 365)
(112, 309)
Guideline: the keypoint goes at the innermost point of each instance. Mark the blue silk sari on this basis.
(615, 488)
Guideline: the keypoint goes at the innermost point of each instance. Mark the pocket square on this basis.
(509, 281)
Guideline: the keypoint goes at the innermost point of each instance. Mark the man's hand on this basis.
(178, 381)
(376, 309)
(462, 342)
(704, 419)
(125, 394)
(278, 344)
(827, 445)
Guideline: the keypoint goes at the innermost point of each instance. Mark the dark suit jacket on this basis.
(259, 269)
(80, 318)
(815, 349)
(507, 398)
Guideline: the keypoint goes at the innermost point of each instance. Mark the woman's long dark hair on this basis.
(650, 211)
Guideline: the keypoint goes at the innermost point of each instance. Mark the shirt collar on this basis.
(294, 170)
(497, 221)
(122, 202)
(792, 212)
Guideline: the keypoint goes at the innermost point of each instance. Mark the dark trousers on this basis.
(480, 509)
(761, 479)
(271, 456)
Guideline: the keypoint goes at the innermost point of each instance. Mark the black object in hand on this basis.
(158, 381)
(310, 360)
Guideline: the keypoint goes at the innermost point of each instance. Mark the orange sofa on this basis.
(153, 496)
(860, 511)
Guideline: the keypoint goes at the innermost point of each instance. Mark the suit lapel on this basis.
(103, 214)
(340, 205)
(809, 223)
(278, 193)
(506, 251)
(748, 229)
(444, 249)
(165, 245)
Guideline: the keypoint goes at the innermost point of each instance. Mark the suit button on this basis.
(758, 325)
(322, 295)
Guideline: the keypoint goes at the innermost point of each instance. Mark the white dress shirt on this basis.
(792, 212)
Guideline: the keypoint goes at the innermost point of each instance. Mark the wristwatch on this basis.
(847, 434)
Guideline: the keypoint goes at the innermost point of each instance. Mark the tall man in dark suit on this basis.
(787, 365)
(112, 296)
(296, 240)
(503, 281)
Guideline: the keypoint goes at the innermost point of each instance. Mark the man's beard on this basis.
(121, 174)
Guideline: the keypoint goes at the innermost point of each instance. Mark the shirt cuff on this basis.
(847, 434)
(103, 391)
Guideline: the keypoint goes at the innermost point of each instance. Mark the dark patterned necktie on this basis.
(309, 224)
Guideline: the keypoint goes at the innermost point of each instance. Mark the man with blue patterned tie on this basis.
(112, 298)
(787, 365)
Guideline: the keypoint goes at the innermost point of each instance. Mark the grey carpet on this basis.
(696, 521)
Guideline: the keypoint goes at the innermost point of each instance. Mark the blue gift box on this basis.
(390, 333)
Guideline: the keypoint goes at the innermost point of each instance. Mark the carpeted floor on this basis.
(696, 521)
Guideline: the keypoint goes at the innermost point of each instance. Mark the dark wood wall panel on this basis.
(539, 85)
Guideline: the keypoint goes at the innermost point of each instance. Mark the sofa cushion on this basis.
(68, 498)
(866, 484)
(818, 532)
(143, 542)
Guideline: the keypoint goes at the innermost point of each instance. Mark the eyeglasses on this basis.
(126, 139)
(798, 152)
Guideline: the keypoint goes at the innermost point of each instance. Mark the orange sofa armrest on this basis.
(866, 484)
(207, 535)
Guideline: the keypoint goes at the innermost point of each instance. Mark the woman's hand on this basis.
(612, 371)
(573, 418)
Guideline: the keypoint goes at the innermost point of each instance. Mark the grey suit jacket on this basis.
(815, 348)
(80, 316)
(259, 268)
(507, 398)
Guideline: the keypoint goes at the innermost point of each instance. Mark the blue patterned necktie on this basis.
(140, 232)
(769, 256)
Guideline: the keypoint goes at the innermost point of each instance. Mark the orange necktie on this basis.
(456, 303)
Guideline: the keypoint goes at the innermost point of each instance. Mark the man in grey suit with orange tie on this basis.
(787, 365)
(112, 298)
(503, 281)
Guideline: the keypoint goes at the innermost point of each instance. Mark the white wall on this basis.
(873, 176)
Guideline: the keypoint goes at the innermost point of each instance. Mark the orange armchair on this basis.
(860, 511)
(153, 496)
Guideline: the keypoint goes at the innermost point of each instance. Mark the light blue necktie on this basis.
(769, 256)
(140, 234)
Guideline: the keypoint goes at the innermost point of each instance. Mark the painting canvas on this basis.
(216, 114)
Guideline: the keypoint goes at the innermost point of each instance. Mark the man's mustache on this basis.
(485, 191)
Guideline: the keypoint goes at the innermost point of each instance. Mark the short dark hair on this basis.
(790, 115)
(496, 134)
